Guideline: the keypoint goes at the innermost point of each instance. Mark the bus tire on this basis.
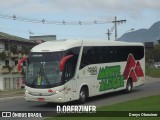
(83, 95)
(129, 86)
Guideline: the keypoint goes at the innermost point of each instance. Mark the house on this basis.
(12, 48)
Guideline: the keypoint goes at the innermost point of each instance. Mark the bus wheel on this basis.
(129, 86)
(83, 95)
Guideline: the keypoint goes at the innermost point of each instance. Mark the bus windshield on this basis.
(43, 70)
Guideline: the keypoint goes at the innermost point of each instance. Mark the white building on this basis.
(12, 49)
(42, 38)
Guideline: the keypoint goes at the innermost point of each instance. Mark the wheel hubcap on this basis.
(129, 87)
(82, 95)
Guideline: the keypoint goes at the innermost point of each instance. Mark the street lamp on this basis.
(130, 30)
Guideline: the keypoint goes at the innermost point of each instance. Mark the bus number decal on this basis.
(110, 77)
(92, 70)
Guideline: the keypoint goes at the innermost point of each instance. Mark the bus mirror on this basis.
(63, 61)
(21, 61)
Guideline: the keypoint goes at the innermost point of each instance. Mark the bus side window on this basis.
(69, 69)
(70, 66)
(87, 57)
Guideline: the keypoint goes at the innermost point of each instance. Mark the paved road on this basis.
(152, 87)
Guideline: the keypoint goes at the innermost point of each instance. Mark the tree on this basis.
(149, 55)
(3, 55)
(156, 53)
(13, 49)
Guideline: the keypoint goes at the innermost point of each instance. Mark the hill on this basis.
(143, 35)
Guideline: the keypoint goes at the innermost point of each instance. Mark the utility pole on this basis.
(115, 25)
(108, 33)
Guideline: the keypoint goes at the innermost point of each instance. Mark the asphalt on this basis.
(16, 102)
(9, 96)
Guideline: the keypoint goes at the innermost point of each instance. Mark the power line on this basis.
(45, 21)
(64, 22)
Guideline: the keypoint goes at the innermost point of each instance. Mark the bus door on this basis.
(69, 75)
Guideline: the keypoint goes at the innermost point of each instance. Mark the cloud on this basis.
(130, 7)
(113, 5)
(24, 6)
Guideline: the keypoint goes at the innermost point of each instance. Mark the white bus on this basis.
(66, 70)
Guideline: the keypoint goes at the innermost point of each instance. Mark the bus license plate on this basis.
(41, 99)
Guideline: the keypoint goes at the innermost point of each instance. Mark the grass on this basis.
(145, 104)
(104, 118)
(153, 72)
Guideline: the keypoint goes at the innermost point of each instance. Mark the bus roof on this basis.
(61, 45)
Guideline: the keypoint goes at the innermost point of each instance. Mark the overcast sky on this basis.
(138, 13)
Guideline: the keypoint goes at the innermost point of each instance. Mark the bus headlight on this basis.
(27, 91)
(57, 91)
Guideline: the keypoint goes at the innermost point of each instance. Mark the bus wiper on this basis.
(35, 79)
(40, 74)
(46, 79)
(43, 74)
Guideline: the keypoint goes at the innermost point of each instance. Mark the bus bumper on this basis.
(56, 98)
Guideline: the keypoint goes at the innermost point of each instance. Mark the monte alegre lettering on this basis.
(110, 78)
